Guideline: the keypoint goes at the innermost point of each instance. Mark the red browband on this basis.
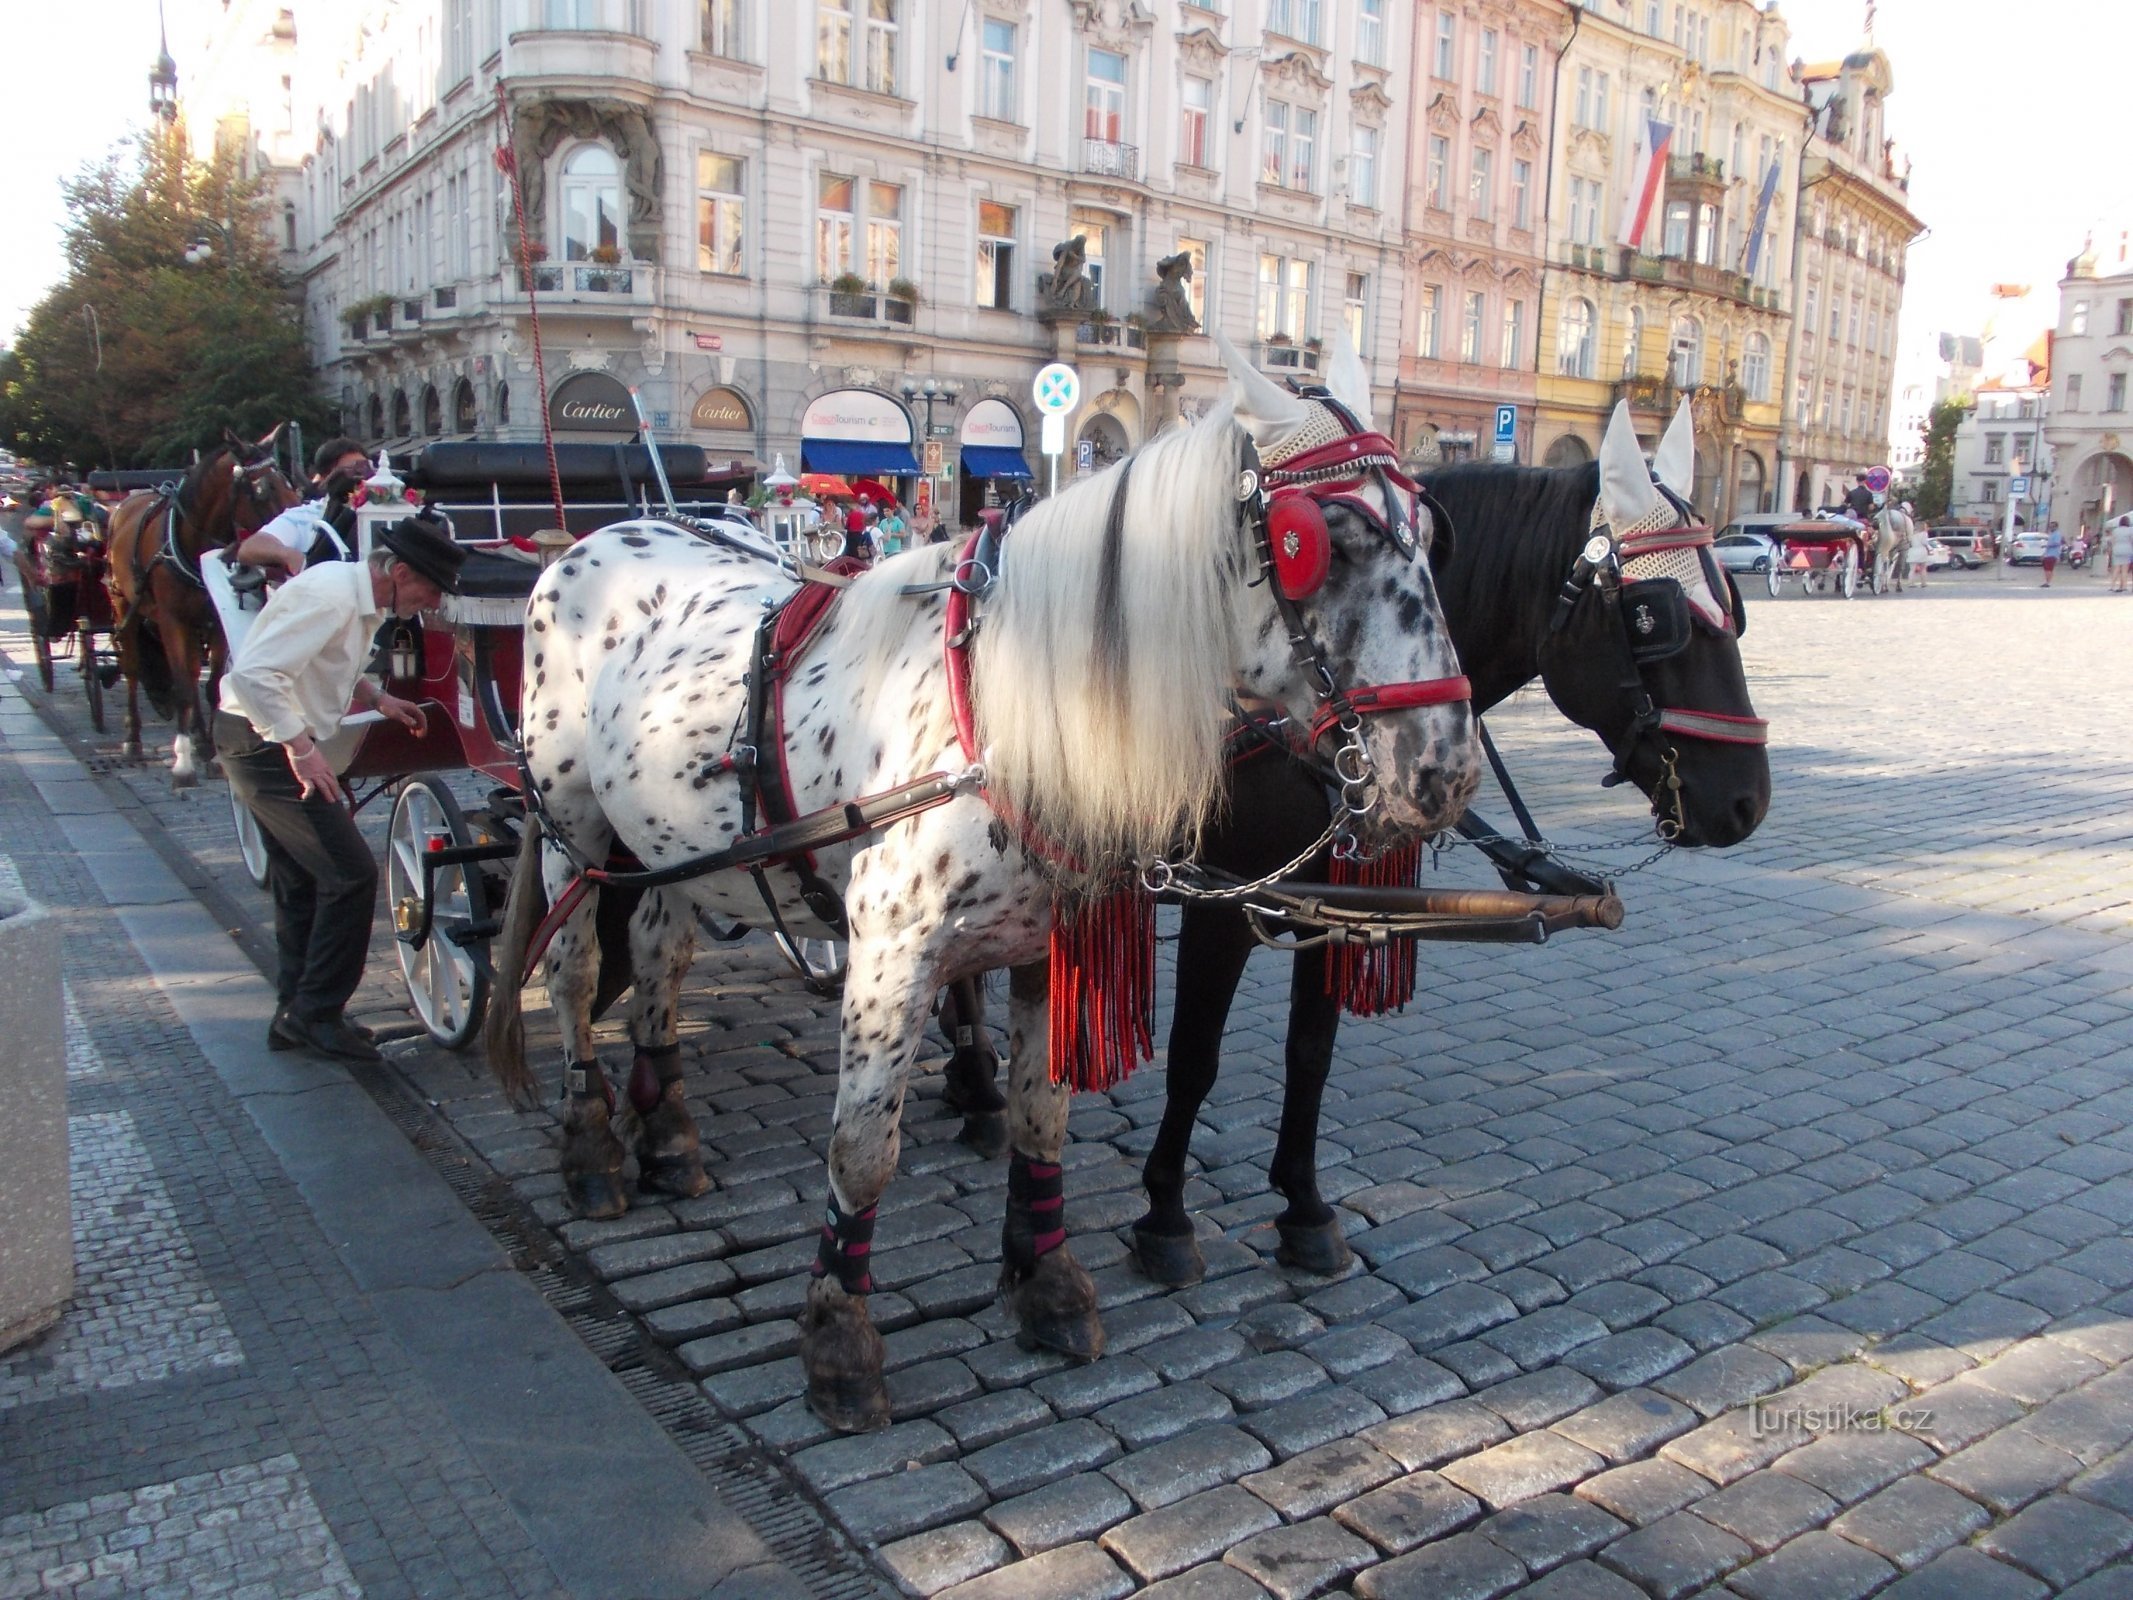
(1345, 457)
(1715, 726)
(1378, 697)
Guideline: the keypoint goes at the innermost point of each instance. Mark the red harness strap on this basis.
(1717, 727)
(1378, 697)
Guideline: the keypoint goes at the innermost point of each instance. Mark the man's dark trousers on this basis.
(320, 872)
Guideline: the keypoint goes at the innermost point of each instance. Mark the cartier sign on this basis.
(591, 402)
(721, 411)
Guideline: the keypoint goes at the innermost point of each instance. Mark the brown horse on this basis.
(165, 621)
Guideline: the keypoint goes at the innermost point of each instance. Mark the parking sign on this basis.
(1085, 455)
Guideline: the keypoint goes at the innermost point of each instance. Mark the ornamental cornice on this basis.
(1443, 113)
(1201, 47)
(1298, 71)
(1369, 103)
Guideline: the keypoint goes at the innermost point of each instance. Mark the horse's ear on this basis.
(229, 437)
(1348, 379)
(1626, 493)
(1264, 410)
(266, 440)
(1674, 463)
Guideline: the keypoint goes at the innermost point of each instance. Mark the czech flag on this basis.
(1761, 223)
(1647, 181)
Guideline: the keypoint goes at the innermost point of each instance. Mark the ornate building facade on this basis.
(2089, 428)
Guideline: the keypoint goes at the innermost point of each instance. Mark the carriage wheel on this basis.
(1774, 575)
(820, 962)
(251, 843)
(1848, 579)
(446, 981)
(92, 677)
(1881, 573)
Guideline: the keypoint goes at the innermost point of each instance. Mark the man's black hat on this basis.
(424, 542)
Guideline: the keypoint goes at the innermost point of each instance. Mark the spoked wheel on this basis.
(92, 677)
(821, 962)
(446, 981)
(1774, 576)
(251, 843)
(1848, 579)
(1881, 575)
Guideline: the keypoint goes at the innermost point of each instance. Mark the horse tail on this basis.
(504, 1033)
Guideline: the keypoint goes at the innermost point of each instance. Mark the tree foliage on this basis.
(1936, 475)
(138, 356)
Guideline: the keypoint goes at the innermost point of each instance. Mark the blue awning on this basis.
(994, 461)
(865, 457)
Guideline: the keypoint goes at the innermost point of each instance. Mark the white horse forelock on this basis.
(1106, 734)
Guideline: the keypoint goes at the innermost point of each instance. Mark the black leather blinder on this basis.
(1656, 615)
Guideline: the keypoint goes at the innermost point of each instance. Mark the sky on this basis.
(2011, 115)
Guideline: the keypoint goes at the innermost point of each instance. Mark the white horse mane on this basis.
(1105, 730)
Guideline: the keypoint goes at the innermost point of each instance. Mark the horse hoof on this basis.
(670, 1156)
(985, 1132)
(1056, 1308)
(130, 750)
(185, 780)
(597, 1196)
(592, 1161)
(1171, 1259)
(842, 1356)
(1313, 1247)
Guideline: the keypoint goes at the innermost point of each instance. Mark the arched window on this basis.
(463, 407)
(403, 418)
(503, 405)
(1574, 340)
(1632, 339)
(432, 412)
(1568, 451)
(591, 202)
(1755, 366)
(1685, 353)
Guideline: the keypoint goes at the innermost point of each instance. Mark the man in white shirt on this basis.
(294, 679)
(322, 528)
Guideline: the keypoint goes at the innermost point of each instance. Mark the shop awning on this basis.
(993, 461)
(859, 457)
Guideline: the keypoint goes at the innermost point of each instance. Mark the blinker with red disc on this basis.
(1303, 550)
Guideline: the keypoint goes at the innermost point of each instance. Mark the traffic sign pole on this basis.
(1057, 391)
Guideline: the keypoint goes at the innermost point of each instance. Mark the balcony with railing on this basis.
(1099, 333)
(592, 286)
(1107, 158)
(868, 305)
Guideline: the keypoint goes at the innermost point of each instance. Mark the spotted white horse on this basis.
(1131, 609)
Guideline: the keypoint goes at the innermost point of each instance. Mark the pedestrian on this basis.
(2054, 548)
(890, 530)
(856, 547)
(2121, 533)
(1919, 553)
(1859, 501)
(294, 679)
(323, 527)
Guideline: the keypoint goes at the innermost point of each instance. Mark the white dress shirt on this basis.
(298, 666)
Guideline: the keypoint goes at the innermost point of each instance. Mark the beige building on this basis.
(1848, 274)
(2089, 428)
(1692, 310)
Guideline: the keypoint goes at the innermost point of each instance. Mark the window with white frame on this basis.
(2114, 392)
(856, 43)
(1674, 241)
(1447, 45)
(1521, 194)
(1529, 66)
(1512, 347)
(885, 233)
(2073, 393)
(1355, 310)
(1439, 174)
(1196, 112)
(1575, 336)
(720, 30)
(1095, 252)
(1303, 150)
(1654, 17)
(1851, 323)
(1803, 399)
(1370, 32)
(881, 45)
(1429, 331)
(836, 225)
(1481, 185)
(996, 256)
(1487, 64)
(2077, 320)
(1633, 343)
(1296, 19)
(833, 40)
(1844, 421)
(591, 194)
(1195, 251)
(1284, 297)
(996, 71)
(1685, 353)
(1274, 149)
(1363, 167)
(1473, 329)
(721, 214)
(1755, 366)
(1103, 98)
(1587, 198)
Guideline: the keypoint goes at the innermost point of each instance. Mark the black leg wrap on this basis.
(653, 1067)
(1036, 1212)
(847, 1248)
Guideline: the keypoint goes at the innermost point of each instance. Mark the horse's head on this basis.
(237, 489)
(1644, 646)
(1353, 645)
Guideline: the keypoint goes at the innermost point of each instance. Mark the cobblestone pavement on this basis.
(1773, 1246)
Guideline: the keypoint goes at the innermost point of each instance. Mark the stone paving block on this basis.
(1463, 1567)
(1414, 1510)
(1815, 1566)
(1310, 1420)
(1015, 1466)
(1627, 1426)
(2036, 1370)
(1211, 1580)
(2103, 1335)
(2060, 1539)
(1538, 1398)
(1227, 1297)
(1169, 1471)
(1636, 1356)
(882, 1509)
(2109, 1482)
(1581, 1580)
(1544, 1335)
(1521, 1468)
(1004, 1364)
(1918, 1360)
(924, 1389)
(1316, 1481)
(1644, 1491)
(1850, 1465)
(1072, 1572)
(1912, 1521)
(993, 1417)
(1262, 1381)
(1675, 1556)
(1704, 1324)
(1188, 1355)
(1588, 1262)
(1172, 1409)
(1765, 1297)
(2006, 1470)
(1808, 1342)
(1061, 1513)
(1551, 1529)
(1477, 1365)
(1293, 1563)
(740, 1347)
(693, 1319)
(2112, 1583)
(1730, 1447)
(1346, 1351)
(1964, 1574)
(1087, 1387)
(1447, 1315)
(1278, 1327)
(1406, 1384)
(1766, 1509)
(1725, 1378)
(1441, 1433)
(850, 1458)
(1199, 1528)
(929, 1562)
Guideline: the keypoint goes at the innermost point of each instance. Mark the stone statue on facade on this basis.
(1170, 308)
(544, 126)
(1067, 290)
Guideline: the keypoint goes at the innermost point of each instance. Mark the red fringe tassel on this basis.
(1102, 1021)
(1370, 980)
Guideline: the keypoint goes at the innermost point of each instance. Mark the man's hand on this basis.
(264, 550)
(314, 773)
(405, 712)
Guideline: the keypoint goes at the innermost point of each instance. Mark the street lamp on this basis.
(202, 249)
(930, 390)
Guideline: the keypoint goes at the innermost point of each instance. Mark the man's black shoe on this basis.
(332, 1036)
(281, 1036)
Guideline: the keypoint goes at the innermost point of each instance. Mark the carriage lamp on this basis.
(403, 657)
(550, 543)
(384, 485)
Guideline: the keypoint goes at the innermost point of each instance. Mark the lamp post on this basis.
(202, 249)
(931, 390)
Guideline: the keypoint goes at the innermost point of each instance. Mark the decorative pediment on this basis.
(1114, 24)
(1590, 141)
(1368, 103)
(1298, 71)
(1525, 138)
(1005, 10)
(1203, 48)
(1443, 113)
(1486, 123)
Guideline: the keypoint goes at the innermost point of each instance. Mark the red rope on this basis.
(1102, 1010)
(1371, 979)
(507, 163)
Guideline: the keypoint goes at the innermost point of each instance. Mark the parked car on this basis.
(2026, 551)
(1939, 555)
(1745, 552)
(1967, 547)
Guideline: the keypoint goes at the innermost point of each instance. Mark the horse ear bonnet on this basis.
(1303, 549)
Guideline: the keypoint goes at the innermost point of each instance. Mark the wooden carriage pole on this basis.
(507, 163)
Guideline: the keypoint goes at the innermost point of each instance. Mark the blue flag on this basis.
(1762, 221)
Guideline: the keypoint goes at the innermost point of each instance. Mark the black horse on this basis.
(1635, 639)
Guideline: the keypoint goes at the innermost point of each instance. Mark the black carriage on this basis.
(63, 569)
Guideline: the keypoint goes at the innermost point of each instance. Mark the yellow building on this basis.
(1684, 313)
